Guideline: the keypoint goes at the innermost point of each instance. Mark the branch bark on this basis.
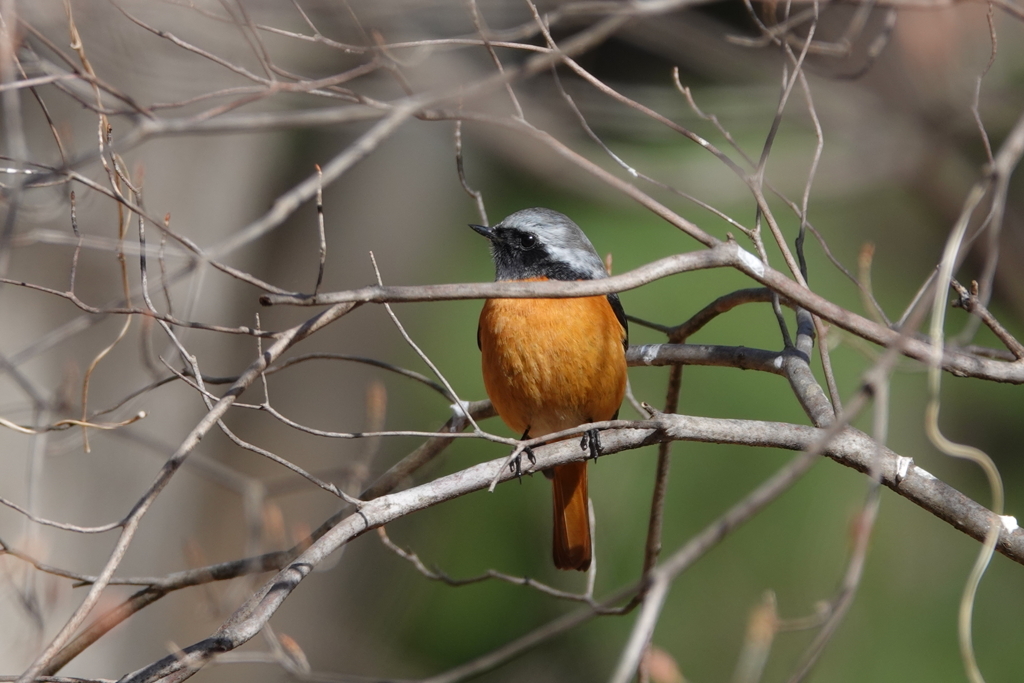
(725, 254)
(850, 447)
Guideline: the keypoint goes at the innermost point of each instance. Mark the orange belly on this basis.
(552, 364)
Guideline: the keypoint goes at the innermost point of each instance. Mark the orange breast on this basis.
(552, 364)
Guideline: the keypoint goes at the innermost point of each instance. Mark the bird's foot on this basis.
(592, 441)
(516, 462)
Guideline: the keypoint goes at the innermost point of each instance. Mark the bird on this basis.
(553, 364)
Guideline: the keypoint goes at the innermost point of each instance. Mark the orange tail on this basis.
(572, 521)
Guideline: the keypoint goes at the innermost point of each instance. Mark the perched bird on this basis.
(553, 364)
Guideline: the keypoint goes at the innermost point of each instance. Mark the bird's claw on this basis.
(516, 464)
(591, 441)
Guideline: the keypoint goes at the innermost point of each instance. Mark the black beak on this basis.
(485, 231)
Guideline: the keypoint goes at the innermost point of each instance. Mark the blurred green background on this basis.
(902, 625)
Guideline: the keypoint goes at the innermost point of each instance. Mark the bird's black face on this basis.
(521, 255)
(537, 243)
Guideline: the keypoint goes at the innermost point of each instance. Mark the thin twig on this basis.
(970, 302)
(320, 226)
(477, 195)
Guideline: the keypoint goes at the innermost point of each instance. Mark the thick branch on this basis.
(851, 448)
(158, 587)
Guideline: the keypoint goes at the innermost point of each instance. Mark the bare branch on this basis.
(724, 255)
(131, 522)
(849, 447)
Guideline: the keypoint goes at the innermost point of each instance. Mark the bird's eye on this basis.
(528, 241)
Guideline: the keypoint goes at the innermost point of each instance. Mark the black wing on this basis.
(620, 314)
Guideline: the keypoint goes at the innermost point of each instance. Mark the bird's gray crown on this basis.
(542, 243)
